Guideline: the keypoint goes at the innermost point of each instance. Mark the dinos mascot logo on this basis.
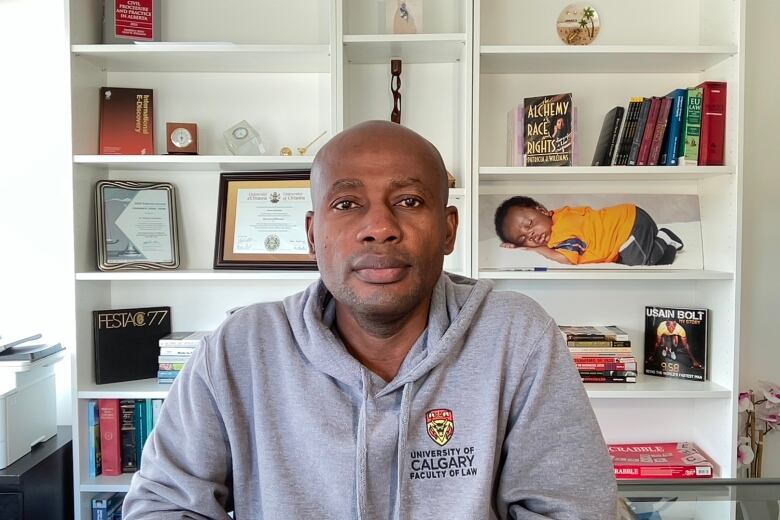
(440, 424)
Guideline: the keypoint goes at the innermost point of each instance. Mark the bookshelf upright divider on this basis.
(294, 69)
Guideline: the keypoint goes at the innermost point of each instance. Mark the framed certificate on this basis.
(136, 225)
(261, 220)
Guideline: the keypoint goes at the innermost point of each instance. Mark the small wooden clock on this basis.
(182, 138)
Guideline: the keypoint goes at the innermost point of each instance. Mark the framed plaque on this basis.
(136, 225)
(261, 220)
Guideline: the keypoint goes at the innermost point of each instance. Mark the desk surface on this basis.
(13, 473)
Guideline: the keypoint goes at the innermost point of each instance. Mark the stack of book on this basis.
(667, 460)
(686, 126)
(175, 350)
(602, 354)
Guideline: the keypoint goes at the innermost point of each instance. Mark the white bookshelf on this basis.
(296, 68)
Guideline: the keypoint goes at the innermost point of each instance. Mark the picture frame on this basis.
(136, 225)
(261, 221)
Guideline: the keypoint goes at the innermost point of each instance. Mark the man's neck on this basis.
(381, 345)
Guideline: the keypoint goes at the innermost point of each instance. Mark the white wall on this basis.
(760, 357)
(36, 273)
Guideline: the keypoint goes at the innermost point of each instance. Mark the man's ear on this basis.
(451, 228)
(310, 233)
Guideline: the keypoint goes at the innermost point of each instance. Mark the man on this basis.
(668, 337)
(387, 390)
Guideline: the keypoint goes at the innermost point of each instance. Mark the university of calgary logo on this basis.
(440, 424)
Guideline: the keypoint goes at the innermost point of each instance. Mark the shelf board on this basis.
(140, 389)
(636, 273)
(197, 162)
(657, 388)
(602, 173)
(102, 484)
(533, 59)
(195, 274)
(411, 48)
(206, 57)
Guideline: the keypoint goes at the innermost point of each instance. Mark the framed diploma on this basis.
(136, 225)
(261, 221)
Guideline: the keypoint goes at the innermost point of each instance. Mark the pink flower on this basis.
(770, 415)
(745, 453)
(745, 402)
(771, 391)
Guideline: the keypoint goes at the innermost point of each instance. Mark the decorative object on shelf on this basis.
(127, 21)
(404, 16)
(450, 180)
(261, 221)
(182, 138)
(126, 121)
(136, 225)
(578, 24)
(676, 343)
(243, 139)
(761, 411)
(303, 149)
(126, 342)
(548, 134)
(286, 151)
(395, 88)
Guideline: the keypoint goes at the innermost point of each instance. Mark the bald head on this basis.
(384, 146)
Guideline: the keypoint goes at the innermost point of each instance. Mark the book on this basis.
(593, 332)
(647, 136)
(30, 352)
(639, 132)
(605, 366)
(5, 345)
(126, 21)
(660, 131)
(183, 339)
(105, 505)
(713, 123)
(598, 343)
(110, 447)
(607, 379)
(627, 136)
(671, 143)
(128, 432)
(665, 460)
(607, 142)
(126, 121)
(691, 132)
(94, 463)
(676, 342)
(548, 130)
(126, 342)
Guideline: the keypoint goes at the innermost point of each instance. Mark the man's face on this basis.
(380, 228)
(527, 227)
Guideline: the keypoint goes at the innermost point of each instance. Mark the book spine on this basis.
(660, 130)
(176, 351)
(638, 471)
(149, 419)
(608, 379)
(634, 107)
(173, 359)
(605, 366)
(129, 460)
(675, 127)
(599, 343)
(110, 437)
(600, 350)
(647, 137)
(604, 359)
(99, 509)
(607, 373)
(614, 139)
(180, 343)
(692, 127)
(713, 123)
(163, 367)
(93, 439)
(644, 112)
(140, 429)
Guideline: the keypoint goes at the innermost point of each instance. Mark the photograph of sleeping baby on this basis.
(614, 231)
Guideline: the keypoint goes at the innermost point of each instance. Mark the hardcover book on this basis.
(126, 121)
(126, 21)
(110, 441)
(607, 143)
(671, 144)
(660, 461)
(126, 342)
(548, 130)
(639, 132)
(128, 432)
(93, 439)
(627, 135)
(676, 342)
(713, 123)
(593, 332)
(660, 131)
(691, 128)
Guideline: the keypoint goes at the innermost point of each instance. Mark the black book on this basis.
(676, 342)
(127, 429)
(607, 143)
(30, 352)
(639, 133)
(126, 342)
(627, 136)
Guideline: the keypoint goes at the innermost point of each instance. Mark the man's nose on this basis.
(380, 224)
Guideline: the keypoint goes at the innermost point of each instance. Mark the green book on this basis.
(689, 144)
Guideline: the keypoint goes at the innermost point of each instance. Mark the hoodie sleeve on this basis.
(185, 466)
(555, 461)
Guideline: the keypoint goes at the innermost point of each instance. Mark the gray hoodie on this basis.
(272, 417)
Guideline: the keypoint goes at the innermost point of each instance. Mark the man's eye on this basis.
(410, 202)
(344, 204)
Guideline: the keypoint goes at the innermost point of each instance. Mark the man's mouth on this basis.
(380, 269)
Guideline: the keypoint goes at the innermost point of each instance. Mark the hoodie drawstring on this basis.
(362, 448)
(403, 430)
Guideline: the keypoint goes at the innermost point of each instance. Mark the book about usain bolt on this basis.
(676, 342)
(548, 130)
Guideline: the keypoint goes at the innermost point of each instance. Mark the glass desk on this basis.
(704, 499)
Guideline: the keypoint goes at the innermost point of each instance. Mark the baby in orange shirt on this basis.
(624, 234)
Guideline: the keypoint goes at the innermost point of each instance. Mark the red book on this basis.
(110, 440)
(606, 366)
(660, 129)
(647, 137)
(604, 359)
(713, 123)
(660, 461)
(126, 121)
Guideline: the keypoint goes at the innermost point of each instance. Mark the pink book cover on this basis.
(667, 460)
